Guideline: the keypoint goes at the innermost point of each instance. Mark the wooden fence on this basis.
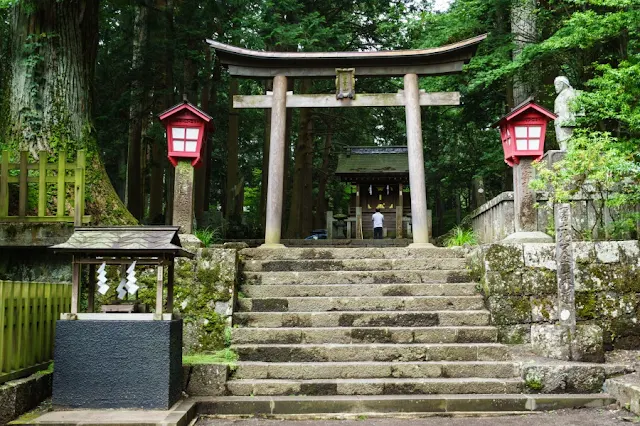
(28, 314)
(42, 174)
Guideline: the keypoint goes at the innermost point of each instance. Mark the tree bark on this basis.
(50, 92)
(232, 156)
(265, 159)
(169, 100)
(321, 202)
(201, 172)
(134, 197)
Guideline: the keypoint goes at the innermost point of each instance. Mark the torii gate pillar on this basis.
(275, 188)
(416, 162)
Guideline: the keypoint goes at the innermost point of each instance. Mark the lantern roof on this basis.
(135, 241)
(523, 107)
(182, 106)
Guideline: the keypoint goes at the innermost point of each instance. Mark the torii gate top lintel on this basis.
(434, 61)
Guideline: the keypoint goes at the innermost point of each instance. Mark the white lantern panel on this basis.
(178, 145)
(534, 131)
(521, 132)
(193, 134)
(177, 132)
(534, 144)
(521, 144)
(191, 146)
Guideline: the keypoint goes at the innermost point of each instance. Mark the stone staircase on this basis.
(331, 324)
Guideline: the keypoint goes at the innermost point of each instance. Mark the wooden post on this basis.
(159, 293)
(24, 187)
(4, 185)
(62, 170)
(77, 194)
(170, 286)
(399, 212)
(81, 163)
(92, 288)
(416, 162)
(75, 289)
(273, 228)
(42, 183)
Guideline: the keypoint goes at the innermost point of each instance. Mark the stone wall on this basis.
(520, 288)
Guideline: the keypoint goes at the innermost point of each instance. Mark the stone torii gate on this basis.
(345, 67)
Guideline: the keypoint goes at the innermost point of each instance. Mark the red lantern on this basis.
(186, 127)
(523, 131)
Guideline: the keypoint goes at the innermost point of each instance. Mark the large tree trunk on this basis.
(232, 156)
(201, 172)
(321, 201)
(134, 198)
(294, 229)
(265, 159)
(50, 94)
(169, 100)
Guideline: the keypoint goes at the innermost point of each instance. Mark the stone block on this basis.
(543, 309)
(507, 310)
(514, 334)
(207, 380)
(539, 281)
(117, 364)
(556, 341)
(563, 378)
(607, 251)
(540, 256)
(626, 390)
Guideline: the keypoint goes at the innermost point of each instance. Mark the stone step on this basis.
(350, 253)
(303, 265)
(388, 386)
(345, 290)
(356, 277)
(373, 352)
(365, 335)
(361, 319)
(370, 370)
(384, 303)
(394, 404)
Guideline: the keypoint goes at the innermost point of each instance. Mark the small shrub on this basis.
(209, 236)
(460, 236)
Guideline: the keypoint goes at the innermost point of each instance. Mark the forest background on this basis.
(94, 74)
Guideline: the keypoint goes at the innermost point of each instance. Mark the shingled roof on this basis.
(125, 240)
(370, 162)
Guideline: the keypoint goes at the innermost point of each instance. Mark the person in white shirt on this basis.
(378, 221)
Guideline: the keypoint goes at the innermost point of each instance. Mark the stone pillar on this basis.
(359, 223)
(399, 212)
(183, 197)
(273, 227)
(416, 162)
(564, 261)
(329, 224)
(525, 212)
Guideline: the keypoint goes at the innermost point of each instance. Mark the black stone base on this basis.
(117, 364)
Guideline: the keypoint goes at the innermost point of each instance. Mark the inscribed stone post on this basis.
(183, 197)
(564, 261)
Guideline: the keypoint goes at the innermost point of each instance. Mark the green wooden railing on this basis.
(28, 314)
(42, 174)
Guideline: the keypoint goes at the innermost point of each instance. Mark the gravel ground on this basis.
(582, 417)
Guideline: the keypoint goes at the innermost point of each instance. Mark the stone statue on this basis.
(562, 107)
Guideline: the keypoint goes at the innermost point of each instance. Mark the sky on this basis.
(442, 5)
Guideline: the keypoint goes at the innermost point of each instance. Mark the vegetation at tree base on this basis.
(135, 59)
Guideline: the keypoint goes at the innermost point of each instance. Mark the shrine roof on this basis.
(124, 240)
(437, 60)
(374, 161)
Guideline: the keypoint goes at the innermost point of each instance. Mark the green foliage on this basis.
(225, 356)
(460, 236)
(209, 236)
